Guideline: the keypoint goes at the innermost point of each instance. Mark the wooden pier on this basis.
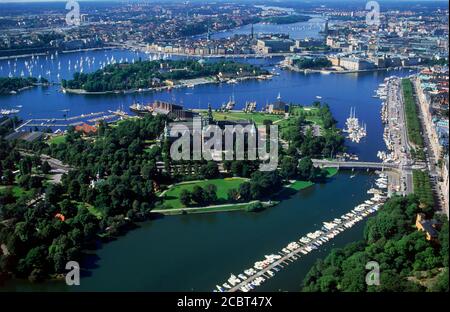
(72, 121)
(296, 254)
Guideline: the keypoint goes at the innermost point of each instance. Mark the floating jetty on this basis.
(273, 263)
(91, 118)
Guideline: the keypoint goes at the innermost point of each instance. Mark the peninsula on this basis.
(13, 85)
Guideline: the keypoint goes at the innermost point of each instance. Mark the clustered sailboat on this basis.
(355, 130)
(229, 105)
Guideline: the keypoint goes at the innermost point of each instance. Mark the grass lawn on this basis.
(315, 120)
(94, 211)
(118, 122)
(57, 139)
(300, 185)
(257, 117)
(332, 172)
(172, 196)
(310, 113)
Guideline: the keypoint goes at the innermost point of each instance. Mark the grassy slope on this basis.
(171, 197)
(223, 185)
(300, 185)
(257, 117)
(94, 211)
(57, 139)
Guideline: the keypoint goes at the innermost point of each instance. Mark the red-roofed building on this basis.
(60, 217)
(86, 129)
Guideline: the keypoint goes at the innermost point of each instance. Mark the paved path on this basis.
(199, 209)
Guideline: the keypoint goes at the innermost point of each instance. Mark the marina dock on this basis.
(91, 118)
(265, 269)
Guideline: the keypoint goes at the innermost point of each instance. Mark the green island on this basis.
(123, 174)
(15, 84)
(407, 260)
(282, 20)
(144, 75)
(311, 63)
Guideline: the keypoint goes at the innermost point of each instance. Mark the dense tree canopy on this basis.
(390, 239)
(148, 74)
(7, 85)
(112, 185)
(312, 63)
(302, 140)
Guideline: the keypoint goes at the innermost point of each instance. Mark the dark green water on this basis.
(196, 252)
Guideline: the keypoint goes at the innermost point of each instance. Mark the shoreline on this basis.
(242, 206)
(327, 72)
(214, 208)
(17, 56)
(180, 84)
(34, 85)
(251, 55)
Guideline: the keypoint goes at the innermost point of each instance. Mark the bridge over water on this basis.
(355, 164)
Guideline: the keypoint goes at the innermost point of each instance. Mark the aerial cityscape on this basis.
(237, 146)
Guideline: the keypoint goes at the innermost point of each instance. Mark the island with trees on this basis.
(289, 19)
(311, 63)
(13, 85)
(154, 75)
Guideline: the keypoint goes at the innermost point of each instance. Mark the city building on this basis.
(427, 226)
(86, 129)
(274, 45)
(352, 63)
(278, 107)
